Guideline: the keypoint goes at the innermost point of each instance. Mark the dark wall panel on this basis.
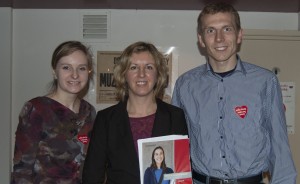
(241, 5)
(6, 3)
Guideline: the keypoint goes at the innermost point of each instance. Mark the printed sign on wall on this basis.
(288, 95)
(105, 83)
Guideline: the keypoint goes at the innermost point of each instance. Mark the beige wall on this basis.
(5, 92)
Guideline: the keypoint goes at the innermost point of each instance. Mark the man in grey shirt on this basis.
(234, 109)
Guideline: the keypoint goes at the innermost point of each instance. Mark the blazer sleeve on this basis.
(181, 122)
(179, 125)
(96, 158)
(169, 120)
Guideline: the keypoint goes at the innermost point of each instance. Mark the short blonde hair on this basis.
(124, 62)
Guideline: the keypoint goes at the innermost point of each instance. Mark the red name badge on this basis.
(241, 111)
(83, 138)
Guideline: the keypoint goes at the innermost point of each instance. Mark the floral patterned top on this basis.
(51, 142)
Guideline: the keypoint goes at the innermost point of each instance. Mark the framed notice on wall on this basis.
(288, 95)
(106, 61)
(105, 83)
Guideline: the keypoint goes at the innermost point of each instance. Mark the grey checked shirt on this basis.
(237, 125)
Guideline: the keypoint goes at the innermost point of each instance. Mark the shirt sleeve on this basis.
(281, 164)
(176, 95)
(26, 145)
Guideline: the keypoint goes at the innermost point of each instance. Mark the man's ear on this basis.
(240, 36)
(202, 44)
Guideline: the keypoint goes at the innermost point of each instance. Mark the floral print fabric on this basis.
(51, 142)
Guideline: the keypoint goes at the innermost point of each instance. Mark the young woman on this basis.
(155, 173)
(53, 132)
(141, 77)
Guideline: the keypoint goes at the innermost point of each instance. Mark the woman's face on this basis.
(72, 73)
(158, 156)
(141, 76)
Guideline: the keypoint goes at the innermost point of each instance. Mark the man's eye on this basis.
(227, 29)
(210, 31)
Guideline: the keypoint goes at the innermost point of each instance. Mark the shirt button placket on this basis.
(221, 104)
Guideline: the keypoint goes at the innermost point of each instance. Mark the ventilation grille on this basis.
(95, 27)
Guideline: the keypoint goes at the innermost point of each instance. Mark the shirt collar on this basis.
(239, 67)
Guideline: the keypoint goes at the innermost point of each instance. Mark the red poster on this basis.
(182, 159)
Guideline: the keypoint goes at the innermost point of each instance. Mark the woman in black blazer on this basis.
(141, 77)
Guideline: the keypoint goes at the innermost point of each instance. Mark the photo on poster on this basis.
(165, 160)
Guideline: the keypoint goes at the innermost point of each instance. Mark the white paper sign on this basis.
(288, 94)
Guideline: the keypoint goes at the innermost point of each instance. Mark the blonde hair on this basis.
(123, 64)
(65, 49)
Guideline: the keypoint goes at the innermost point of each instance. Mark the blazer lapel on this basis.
(124, 133)
(162, 125)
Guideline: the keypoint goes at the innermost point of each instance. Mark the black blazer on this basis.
(111, 148)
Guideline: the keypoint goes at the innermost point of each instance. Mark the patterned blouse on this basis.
(51, 142)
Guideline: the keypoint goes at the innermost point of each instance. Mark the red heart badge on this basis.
(83, 138)
(241, 111)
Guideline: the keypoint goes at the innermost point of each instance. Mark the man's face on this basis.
(220, 37)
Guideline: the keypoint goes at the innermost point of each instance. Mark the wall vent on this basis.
(95, 26)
